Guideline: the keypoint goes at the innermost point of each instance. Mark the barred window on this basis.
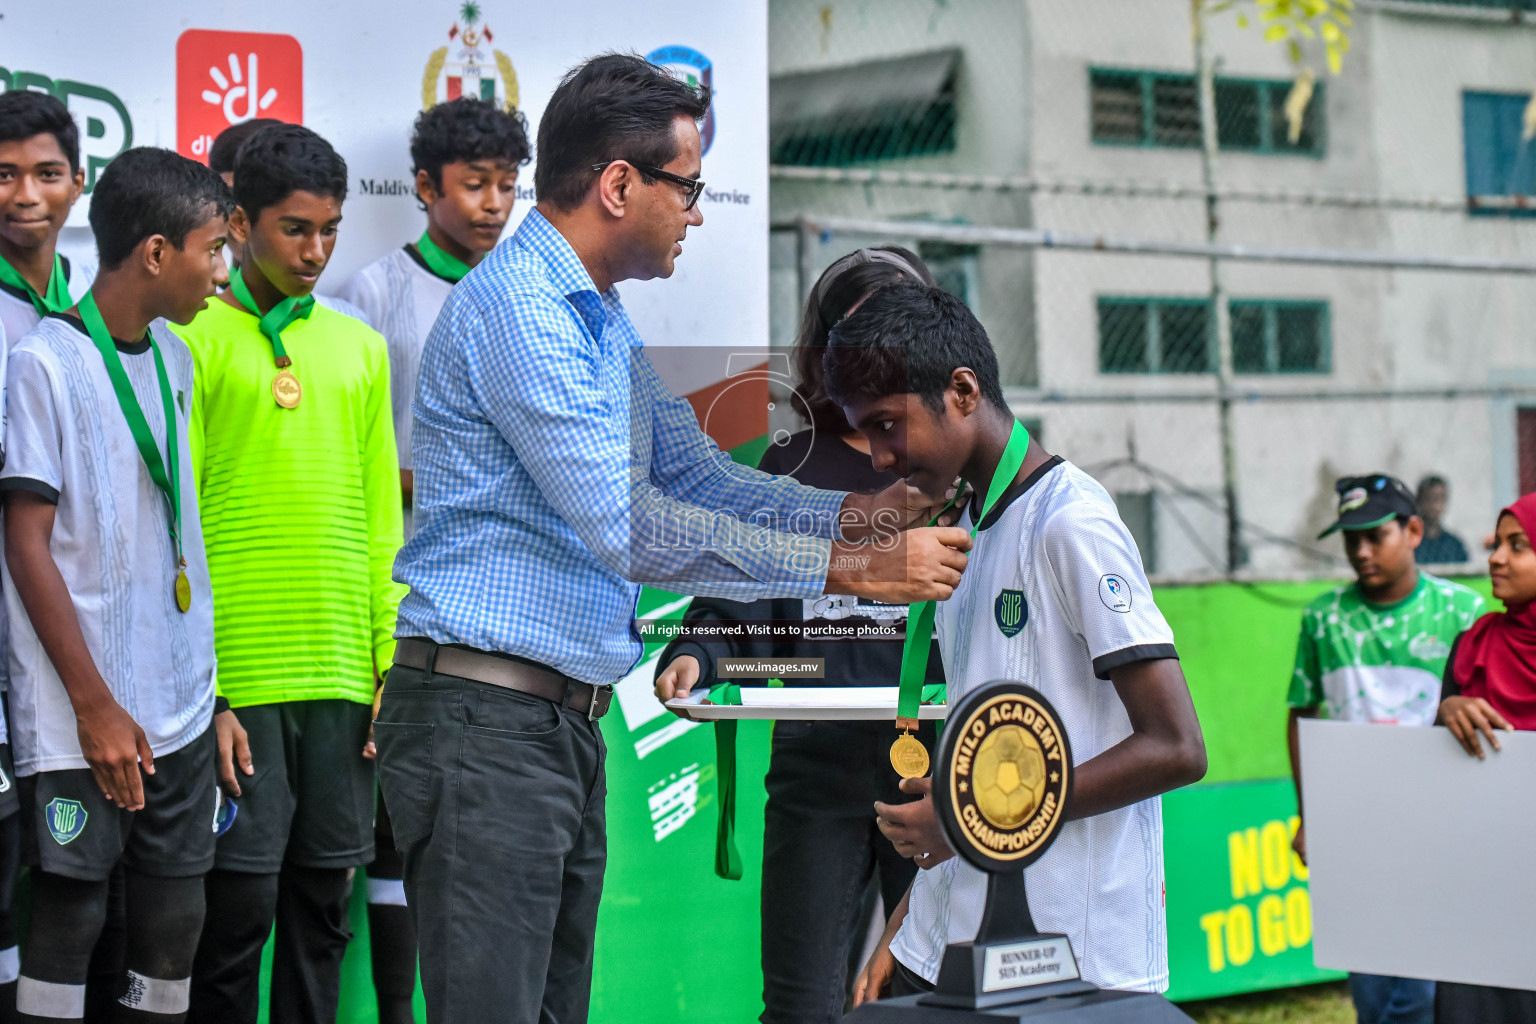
(1154, 335)
(1176, 335)
(1280, 336)
(1151, 108)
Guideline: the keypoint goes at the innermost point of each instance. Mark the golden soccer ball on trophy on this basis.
(1009, 776)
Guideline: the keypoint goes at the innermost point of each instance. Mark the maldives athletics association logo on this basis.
(689, 65)
(467, 66)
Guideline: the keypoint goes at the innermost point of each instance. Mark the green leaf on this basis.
(1242, 21)
(1335, 60)
(1295, 50)
(1275, 33)
(1305, 30)
(1342, 18)
(1331, 32)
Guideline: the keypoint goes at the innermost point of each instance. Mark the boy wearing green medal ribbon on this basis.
(40, 181)
(107, 590)
(465, 153)
(295, 458)
(1054, 597)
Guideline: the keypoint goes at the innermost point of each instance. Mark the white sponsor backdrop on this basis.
(121, 70)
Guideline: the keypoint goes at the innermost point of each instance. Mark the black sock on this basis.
(392, 942)
(226, 974)
(67, 916)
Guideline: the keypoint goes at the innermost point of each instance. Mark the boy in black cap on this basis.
(1374, 651)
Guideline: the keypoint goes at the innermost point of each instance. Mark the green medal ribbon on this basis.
(448, 267)
(914, 691)
(919, 638)
(727, 856)
(169, 482)
(56, 301)
(275, 320)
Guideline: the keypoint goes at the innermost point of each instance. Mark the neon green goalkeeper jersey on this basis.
(1362, 662)
(300, 507)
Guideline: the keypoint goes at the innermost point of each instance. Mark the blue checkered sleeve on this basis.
(589, 448)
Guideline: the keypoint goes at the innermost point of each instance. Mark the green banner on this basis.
(1239, 914)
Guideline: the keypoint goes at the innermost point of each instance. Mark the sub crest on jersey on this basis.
(66, 819)
(1011, 612)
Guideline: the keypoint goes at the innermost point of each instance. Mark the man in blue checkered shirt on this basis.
(554, 474)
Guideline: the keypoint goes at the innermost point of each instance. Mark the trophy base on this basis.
(1098, 1006)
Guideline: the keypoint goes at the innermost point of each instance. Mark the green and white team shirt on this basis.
(1055, 597)
(1361, 662)
(69, 442)
(17, 318)
(400, 297)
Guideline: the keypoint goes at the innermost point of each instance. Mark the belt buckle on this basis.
(592, 710)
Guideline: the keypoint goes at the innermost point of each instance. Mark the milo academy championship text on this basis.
(1008, 781)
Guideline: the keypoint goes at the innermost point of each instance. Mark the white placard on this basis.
(1022, 964)
(176, 72)
(805, 703)
(1420, 856)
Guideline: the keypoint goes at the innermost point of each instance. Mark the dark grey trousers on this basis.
(497, 800)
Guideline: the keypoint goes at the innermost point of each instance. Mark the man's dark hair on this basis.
(283, 159)
(25, 113)
(1433, 480)
(225, 148)
(467, 129)
(909, 339)
(616, 106)
(149, 191)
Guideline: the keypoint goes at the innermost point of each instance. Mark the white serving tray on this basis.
(804, 703)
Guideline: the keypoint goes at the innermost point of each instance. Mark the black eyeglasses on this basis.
(694, 186)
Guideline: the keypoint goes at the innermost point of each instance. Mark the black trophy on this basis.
(1001, 786)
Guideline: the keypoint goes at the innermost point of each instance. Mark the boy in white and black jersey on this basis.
(915, 372)
(106, 587)
(465, 154)
(40, 181)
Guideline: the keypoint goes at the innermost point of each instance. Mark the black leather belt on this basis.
(497, 670)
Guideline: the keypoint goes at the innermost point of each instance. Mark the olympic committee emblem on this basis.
(689, 65)
(468, 66)
(1004, 776)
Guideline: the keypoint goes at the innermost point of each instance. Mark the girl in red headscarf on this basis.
(1490, 686)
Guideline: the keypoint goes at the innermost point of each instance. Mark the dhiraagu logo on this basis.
(66, 819)
(105, 127)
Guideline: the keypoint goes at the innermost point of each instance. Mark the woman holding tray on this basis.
(1490, 687)
(820, 842)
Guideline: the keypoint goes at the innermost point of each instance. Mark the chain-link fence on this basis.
(1374, 256)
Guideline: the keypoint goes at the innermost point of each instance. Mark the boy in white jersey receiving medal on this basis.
(1054, 597)
(107, 591)
(466, 153)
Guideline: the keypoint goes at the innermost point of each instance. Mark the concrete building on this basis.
(1041, 95)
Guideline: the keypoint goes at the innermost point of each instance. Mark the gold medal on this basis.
(183, 590)
(909, 757)
(286, 390)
